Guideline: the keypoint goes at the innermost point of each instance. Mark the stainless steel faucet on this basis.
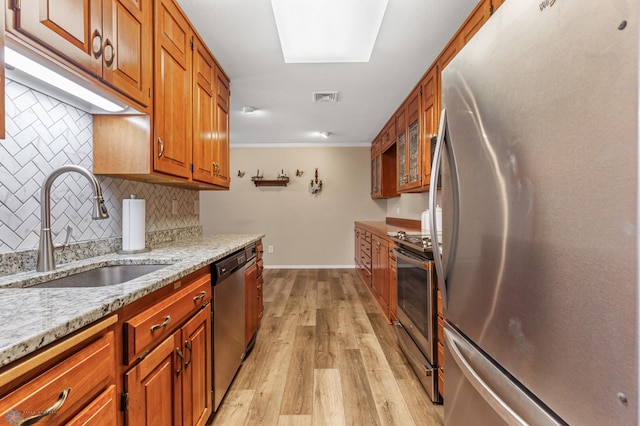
(46, 260)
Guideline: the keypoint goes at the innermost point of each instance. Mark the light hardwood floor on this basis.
(324, 355)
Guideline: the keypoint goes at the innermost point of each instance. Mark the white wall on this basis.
(304, 229)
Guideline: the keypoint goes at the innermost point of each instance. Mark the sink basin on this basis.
(100, 277)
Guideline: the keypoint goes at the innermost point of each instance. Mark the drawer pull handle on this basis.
(166, 322)
(51, 410)
(181, 355)
(200, 297)
(188, 346)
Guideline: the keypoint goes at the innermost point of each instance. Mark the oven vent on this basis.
(325, 96)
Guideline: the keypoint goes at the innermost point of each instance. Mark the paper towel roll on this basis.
(133, 224)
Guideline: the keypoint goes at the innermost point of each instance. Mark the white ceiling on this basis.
(243, 37)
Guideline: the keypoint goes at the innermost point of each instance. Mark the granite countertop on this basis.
(31, 318)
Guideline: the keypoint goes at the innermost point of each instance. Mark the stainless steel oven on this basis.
(417, 322)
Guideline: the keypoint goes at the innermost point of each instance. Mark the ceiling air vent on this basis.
(325, 96)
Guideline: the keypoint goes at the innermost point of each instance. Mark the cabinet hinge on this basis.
(420, 90)
(124, 401)
(191, 44)
(491, 9)
(16, 5)
(149, 91)
(191, 167)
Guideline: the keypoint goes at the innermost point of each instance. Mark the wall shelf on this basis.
(270, 182)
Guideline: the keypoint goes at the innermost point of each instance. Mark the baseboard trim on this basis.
(309, 266)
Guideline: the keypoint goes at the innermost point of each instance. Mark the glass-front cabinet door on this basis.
(413, 143)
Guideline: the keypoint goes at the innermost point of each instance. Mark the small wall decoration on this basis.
(315, 186)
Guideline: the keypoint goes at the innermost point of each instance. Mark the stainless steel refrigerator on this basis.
(538, 152)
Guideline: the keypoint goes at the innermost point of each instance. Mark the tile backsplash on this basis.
(43, 134)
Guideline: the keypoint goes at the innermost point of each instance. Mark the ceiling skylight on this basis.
(314, 31)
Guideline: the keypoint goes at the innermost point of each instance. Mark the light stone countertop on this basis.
(31, 318)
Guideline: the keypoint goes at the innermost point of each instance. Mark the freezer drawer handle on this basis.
(464, 355)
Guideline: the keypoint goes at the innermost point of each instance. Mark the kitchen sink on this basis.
(101, 277)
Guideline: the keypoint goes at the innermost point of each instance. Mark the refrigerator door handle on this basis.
(435, 173)
(478, 369)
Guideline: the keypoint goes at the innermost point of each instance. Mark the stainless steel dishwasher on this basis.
(227, 277)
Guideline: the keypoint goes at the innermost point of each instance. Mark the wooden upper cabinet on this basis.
(474, 22)
(429, 108)
(108, 39)
(73, 29)
(414, 147)
(127, 47)
(221, 151)
(204, 105)
(172, 142)
(185, 141)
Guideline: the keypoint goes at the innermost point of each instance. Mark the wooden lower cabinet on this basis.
(169, 347)
(172, 384)
(153, 388)
(393, 283)
(380, 273)
(375, 263)
(254, 305)
(70, 382)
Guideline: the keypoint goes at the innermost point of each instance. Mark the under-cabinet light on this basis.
(248, 109)
(34, 69)
(325, 134)
(314, 31)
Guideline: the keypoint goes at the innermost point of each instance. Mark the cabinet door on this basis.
(197, 404)
(401, 149)
(172, 144)
(393, 286)
(71, 28)
(127, 47)
(204, 98)
(429, 123)
(251, 313)
(380, 264)
(153, 387)
(474, 22)
(221, 152)
(413, 139)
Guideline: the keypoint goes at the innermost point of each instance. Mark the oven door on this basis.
(416, 300)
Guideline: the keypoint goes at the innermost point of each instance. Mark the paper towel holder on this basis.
(143, 249)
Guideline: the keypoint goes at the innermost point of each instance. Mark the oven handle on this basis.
(420, 263)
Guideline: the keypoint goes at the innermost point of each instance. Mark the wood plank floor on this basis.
(324, 355)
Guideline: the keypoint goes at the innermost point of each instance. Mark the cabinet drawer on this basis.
(259, 250)
(367, 236)
(366, 262)
(440, 311)
(102, 410)
(440, 355)
(260, 264)
(72, 383)
(441, 381)
(440, 329)
(366, 247)
(155, 323)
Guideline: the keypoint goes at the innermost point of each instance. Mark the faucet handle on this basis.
(67, 239)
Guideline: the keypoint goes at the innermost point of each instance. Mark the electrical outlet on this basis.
(397, 210)
(270, 249)
(174, 206)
